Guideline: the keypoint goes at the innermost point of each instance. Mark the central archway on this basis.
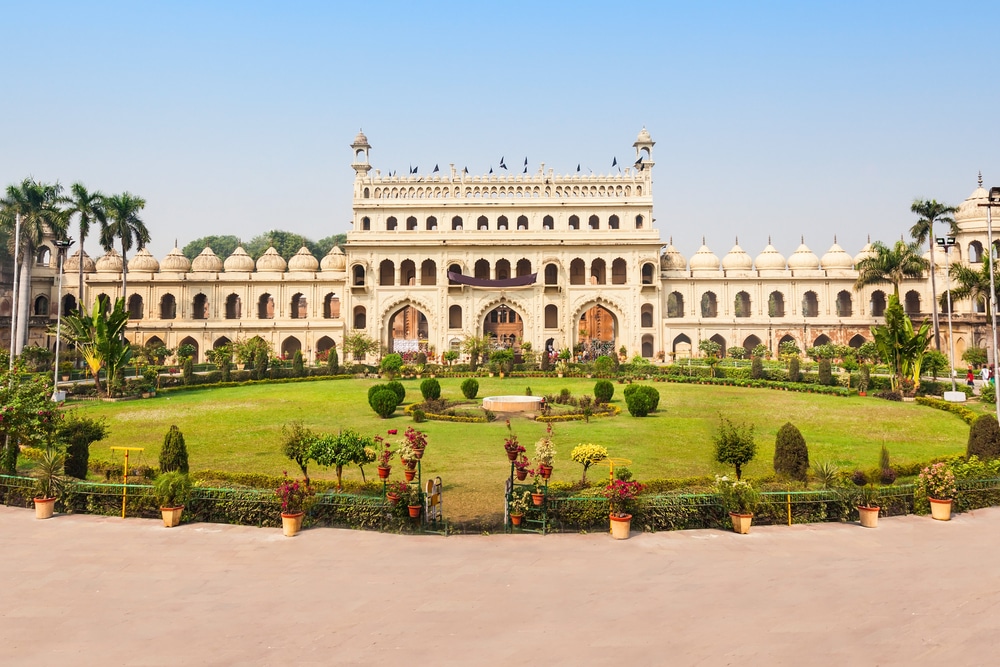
(504, 326)
(408, 331)
(597, 330)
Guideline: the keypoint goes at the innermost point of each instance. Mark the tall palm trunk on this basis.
(79, 285)
(23, 296)
(124, 274)
(934, 303)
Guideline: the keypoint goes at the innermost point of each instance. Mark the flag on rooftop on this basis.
(502, 164)
(435, 169)
(614, 162)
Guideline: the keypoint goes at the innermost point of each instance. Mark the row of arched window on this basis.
(579, 273)
(482, 223)
(843, 306)
(298, 307)
(682, 345)
(288, 347)
(503, 192)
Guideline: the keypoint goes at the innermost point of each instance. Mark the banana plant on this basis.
(100, 338)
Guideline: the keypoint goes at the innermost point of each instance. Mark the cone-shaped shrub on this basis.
(174, 454)
(791, 456)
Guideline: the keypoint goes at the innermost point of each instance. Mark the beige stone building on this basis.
(556, 260)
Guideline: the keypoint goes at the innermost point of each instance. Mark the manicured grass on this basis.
(238, 429)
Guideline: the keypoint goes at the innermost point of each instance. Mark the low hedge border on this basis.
(444, 418)
(614, 411)
(967, 415)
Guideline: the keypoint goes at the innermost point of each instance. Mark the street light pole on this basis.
(13, 294)
(59, 396)
(993, 200)
(946, 244)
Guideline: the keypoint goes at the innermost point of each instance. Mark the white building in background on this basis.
(553, 259)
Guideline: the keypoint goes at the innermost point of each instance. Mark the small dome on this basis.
(303, 260)
(837, 258)
(672, 259)
(72, 263)
(335, 260)
(175, 262)
(737, 260)
(239, 261)
(207, 262)
(143, 261)
(770, 259)
(360, 140)
(704, 260)
(803, 258)
(111, 262)
(271, 261)
(643, 136)
(865, 253)
(971, 208)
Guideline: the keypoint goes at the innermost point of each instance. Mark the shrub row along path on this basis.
(89, 590)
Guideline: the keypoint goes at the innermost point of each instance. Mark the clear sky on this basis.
(776, 119)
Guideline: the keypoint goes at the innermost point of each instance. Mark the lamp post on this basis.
(59, 396)
(993, 200)
(13, 293)
(946, 243)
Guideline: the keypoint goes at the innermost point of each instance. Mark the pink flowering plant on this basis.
(522, 462)
(385, 455)
(417, 440)
(510, 443)
(293, 495)
(938, 482)
(621, 496)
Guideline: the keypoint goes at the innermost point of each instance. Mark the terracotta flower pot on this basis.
(392, 497)
(291, 523)
(545, 471)
(522, 474)
(414, 511)
(383, 473)
(171, 516)
(869, 516)
(741, 522)
(44, 507)
(512, 455)
(940, 509)
(621, 526)
(418, 454)
(409, 474)
(516, 519)
(538, 498)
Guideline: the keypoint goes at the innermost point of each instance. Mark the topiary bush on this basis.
(419, 416)
(398, 389)
(188, 370)
(470, 387)
(78, 433)
(825, 373)
(791, 455)
(390, 365)
(333, 361)
(173, 454)
(384, 402)
(638, 402)
(603, 390)
(372, 390)
(430, 389)
(794, 374)
(756, 369)
(298, 368)
(984, 438)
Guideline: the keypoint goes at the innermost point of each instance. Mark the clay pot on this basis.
(741, 522)
(621, 526)
(383, 473)
(869, 516)
(545, 471)
(538, 498)
(516, 519)
(291, 523)
(171, 516)
(940, 509)
(44, 507)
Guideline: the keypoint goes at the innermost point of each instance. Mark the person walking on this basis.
(970, 378)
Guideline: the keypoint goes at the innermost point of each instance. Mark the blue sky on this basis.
(778, 119)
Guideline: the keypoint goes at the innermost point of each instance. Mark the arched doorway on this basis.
(408, 331)
(682, 347)
(289, 347)
(596, 332)
(504, 326)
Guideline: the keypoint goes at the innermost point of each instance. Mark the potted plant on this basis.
(511, 445)
(408, 459)
(561, 368)
(864, 379)
(621, 496)
(396, 490)
(49, 477)
(521, 468)
(937, 482)
(545, 452)
(172, 490)
(293, 495)
(417, 441)
(517, 507)
(867, 499)
(384, 459)
(538, 495)
(740, 499)
(414, 502)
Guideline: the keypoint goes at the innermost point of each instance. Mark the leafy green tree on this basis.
(296, 443)
(984, 438)
(476, 347)
(223, 246)
(246, 351)
(791, 455)
(174, 454)
(794, 375)
(325, 244)
(891, 265)
(125, 225)
(734, 444)
(935, 363)
(975, 356)
(24, 404)
(359, 344)
(88, 207)
(100, 339)
(222, 357)
(346, 448)
(286, 243)
(390, 365)
(930, 211)
(298, 367)
(757, 369)
(333, 361)
(789, 349)
(587, 455)
(737, 352)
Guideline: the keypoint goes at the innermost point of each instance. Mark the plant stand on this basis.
(536, 520)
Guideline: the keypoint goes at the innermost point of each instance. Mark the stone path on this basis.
(86, 590)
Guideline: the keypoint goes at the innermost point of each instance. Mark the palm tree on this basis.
(124, 224)
(89, 207)
(930, 211)
(891, 265)
(971, 284)
(37, 205)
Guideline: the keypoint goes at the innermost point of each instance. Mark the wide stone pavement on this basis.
(87, 590)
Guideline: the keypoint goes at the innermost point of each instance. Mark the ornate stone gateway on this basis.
(408, 331)
(504, 326)
(596, 333)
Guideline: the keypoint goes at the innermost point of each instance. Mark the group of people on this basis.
(986, 374)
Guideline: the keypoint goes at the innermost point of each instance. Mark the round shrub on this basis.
(470, 387)
(984, 438)
(791, 456)
(603, 391)
(384, 402)
(298, 368)
(390, 364)
(398, 389)
(419, 416)
(654, 396)
(430, 389)
(375, 388)
(173, 454)
(638, 402)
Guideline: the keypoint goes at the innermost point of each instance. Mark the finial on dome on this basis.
(703, 240)
(176, 245)
(802, 239)
(869, 238)
(671, 240)
(768, 239)
(834, 239)
(980, 178)
(737, 240)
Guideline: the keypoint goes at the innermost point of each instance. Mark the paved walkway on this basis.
(86, 590)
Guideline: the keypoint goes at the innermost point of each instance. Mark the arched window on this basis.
(618, 272)
(574, 222)
(551, 317)
(234, 307)
(502, 269)
(595, 222)
(366, 224)
(386, 273)
(551, 274)
(776, 304)
(598, 272)
(432, 223)
(481, 269)
(199, 307)
(456, 269)
(638, 222)
(647, 346)
(41, 305)
(877, 303)
(682, 346)
(822, 339)
(912, 303)
(359, 276)
(360, 321)
(523, 268)
(810, 304)
(168, 307)
(135, 307)
(845, 305)
(407, 272)
(299, 307)
(646, 316)
(548, 222)
(455, 317)
(456, 223)
(68, 304)
(289, 347)
(750, 343)
(741, 305)
(331, 306)
(265, 307)
(647, 273)
(482, 224)
(428, 272)
(43, 256)
(975, 252)
(717, 338)
(613, 222)
(709, 307)
(522, 222)
(857, 341)
(411, 224)
(390, 224)
(193, 343)
(675, 305)
(577, 272)
(502, 222)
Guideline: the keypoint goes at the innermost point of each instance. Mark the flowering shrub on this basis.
(938, 482)
(545, 452)
(415, 439)
(522, 462)
(588, 454)
(621, 496)
(384, 456)
(407, 455)
(293, 494)
(737, 496)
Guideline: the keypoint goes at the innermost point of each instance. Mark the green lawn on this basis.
(238, 429)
